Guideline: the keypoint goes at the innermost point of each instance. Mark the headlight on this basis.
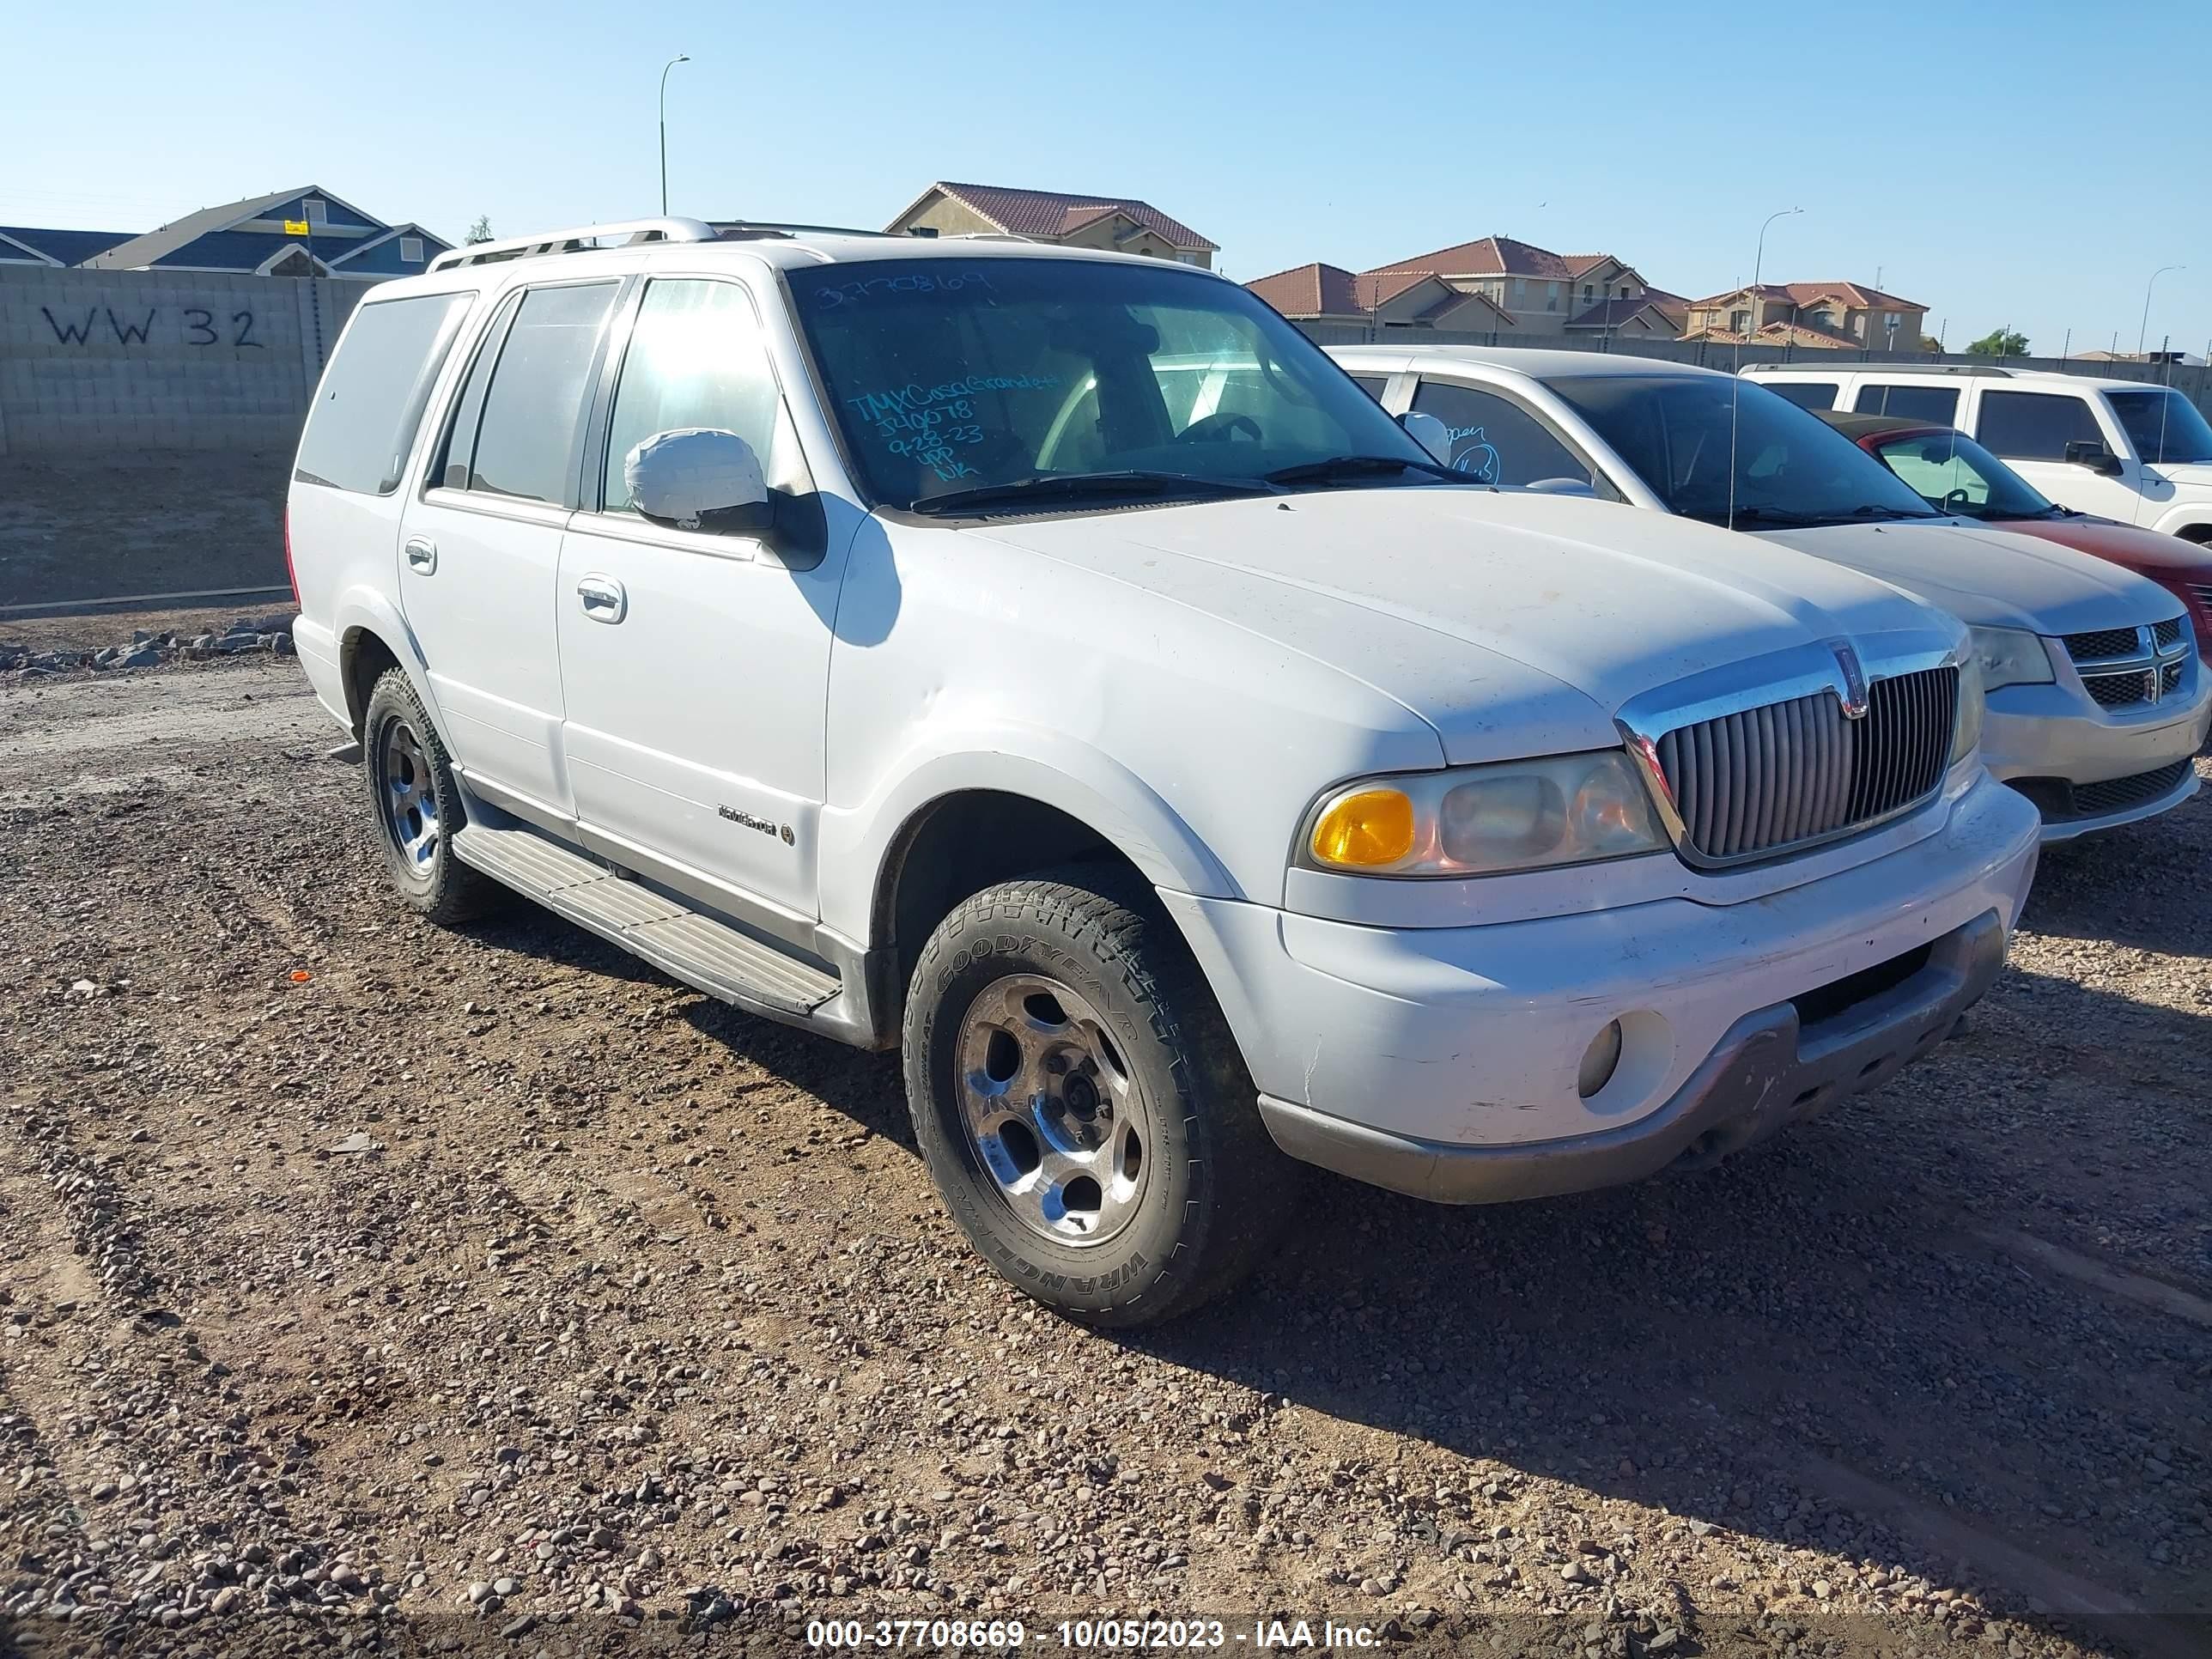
(1966, 723)
(2009, 656)
(1480, 820)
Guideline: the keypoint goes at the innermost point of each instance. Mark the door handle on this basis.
(604, 599)
(421, 555)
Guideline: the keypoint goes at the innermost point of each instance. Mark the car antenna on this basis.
(1735, 380)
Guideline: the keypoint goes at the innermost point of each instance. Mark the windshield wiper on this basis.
(1766, 515)
(1077, 486)
(1363, 467)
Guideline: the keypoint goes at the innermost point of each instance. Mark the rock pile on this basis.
(270, 634)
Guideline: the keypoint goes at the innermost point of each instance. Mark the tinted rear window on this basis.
(1910, 403)
(1806, 394)
(371, 398)
(532, 415)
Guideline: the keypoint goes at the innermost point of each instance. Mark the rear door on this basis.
(2032, 429)
(695, 665)
(481, 546)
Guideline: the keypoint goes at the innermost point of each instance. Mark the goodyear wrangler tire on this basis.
(1081, 1104)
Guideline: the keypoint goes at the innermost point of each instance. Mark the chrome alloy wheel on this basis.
(409, 796)
(1051, 1109)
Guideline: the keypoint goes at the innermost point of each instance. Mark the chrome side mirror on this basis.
(700, 478)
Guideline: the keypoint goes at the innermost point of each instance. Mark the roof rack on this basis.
(1869, 365)
(987, 236)
(579, 241)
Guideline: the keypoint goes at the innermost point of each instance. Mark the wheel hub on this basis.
(1052, 1115)
(407, 792)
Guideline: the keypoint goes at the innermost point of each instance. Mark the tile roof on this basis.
(1052, 213)
(1779, 333)
(1857, 295)
(68, 247)
(1611, 314)
(1490, 256)
(1313, 290)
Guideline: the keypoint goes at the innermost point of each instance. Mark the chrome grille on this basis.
(2203, 591)
(2167, 635)
(1766, 779)
(2103, 644)
(2169, 679)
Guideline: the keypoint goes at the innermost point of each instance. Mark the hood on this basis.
(2160, 556)
(2195, 477)
(1514, 623)
(1991, 578)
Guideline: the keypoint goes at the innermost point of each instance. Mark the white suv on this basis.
(2125, 450)
(1240, 784)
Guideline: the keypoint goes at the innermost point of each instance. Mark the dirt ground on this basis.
(176, 522)
(367, 1284)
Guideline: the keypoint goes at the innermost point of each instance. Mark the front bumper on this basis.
(2051, 740)
(1442, 1061)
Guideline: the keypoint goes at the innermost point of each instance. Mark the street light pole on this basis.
(680, 58)
(2148, 287)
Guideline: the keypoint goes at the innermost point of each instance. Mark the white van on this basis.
(2125, 450)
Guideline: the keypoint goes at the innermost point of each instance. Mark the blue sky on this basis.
(2002, 163)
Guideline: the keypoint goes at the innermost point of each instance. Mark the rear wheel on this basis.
(416, 806)
(1082, 1106)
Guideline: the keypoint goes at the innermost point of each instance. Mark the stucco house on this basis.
(1330, 294)
(1123, 224)
(1541, 292)
(1818, 316)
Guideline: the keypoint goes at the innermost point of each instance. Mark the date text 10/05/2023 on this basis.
(1089, 1635)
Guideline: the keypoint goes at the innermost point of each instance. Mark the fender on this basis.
(2182, 519)
(361, 609)
(1046, 766)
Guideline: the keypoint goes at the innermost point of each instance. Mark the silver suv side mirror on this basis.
(1431, 434)
(699, 477)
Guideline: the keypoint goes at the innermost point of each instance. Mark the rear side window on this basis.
(1807, 394)
(1938, 403)
(2035, 426)
(1373, 384)
(371, 398)
(1495, 440)
(527, 442)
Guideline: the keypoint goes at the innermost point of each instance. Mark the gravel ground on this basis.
(376, 1285)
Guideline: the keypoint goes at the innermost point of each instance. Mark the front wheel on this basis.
(1081, 1104)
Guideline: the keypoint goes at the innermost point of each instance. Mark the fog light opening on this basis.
(1600, 1060)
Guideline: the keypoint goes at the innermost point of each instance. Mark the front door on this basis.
(694, 666)
(482, 545)
(2030, 431)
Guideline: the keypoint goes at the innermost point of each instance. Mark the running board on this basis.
(696, 949)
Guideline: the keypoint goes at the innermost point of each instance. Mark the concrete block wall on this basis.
(125, 360)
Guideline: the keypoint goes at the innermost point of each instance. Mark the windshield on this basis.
(2164, 426)
(1674, 432)
(952, 376)
(1954, 474)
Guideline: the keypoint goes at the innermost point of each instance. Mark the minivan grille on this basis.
(1768, 779)
(2167, 635)
(2105, 642)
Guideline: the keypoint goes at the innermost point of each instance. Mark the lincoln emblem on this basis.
(1853, 691)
